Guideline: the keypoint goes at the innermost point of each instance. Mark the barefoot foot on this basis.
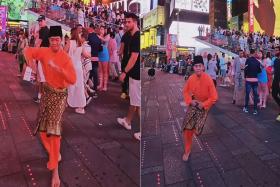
(55, 178)
(186, 157)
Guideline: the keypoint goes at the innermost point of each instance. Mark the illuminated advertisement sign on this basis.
(154, 18)
(251, 15)
(171, 46)
(3, 19)
(245, 26)
(229, 8)
(193, 5)
(266, 17)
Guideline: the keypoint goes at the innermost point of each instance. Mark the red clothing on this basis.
(61, 59)
(52, 145)
(203, 90)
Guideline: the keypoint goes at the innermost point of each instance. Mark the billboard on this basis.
(154, 18)
(251, 15)
(229, 10)
(3, 19)
(266, 16)
(193, 5)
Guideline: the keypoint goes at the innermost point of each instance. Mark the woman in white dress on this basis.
(76, 95)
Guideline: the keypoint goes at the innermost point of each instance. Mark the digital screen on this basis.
(266, 16)
(193, 5)
(3, 19)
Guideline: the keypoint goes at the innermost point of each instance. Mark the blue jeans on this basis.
(254, 87)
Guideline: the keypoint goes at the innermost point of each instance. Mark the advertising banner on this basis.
(3, 19)
(173, 39)
(168, 47)
(229, 9)
(171, 46)
(251, 15)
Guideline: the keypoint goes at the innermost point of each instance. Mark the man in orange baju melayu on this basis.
(199, 92)
(59, 74)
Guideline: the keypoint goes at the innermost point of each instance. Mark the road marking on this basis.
(27, 127)
(3, 122)
(7, 110)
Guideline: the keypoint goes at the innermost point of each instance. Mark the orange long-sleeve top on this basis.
(203, 90)
(57, 79)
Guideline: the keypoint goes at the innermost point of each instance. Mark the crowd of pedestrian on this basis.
(253, 75)
(235, 40)
(74, 13)
(73, 70)
(103, 44)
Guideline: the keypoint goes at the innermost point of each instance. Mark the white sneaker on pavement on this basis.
(123, 123)
(137, 135)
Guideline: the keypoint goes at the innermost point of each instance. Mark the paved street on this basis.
(95, 150)
(235, 149)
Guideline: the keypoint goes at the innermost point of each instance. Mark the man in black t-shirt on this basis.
(43, 41)
(95, 44)
(132, 70)
(276, 80)
(125, 41)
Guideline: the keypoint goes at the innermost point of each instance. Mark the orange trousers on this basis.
(52, 145)
(188, 136)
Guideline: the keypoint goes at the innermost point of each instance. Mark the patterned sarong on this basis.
(195, 119)
(52, 106)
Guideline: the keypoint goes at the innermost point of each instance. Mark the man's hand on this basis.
(194, 103)
(122, 77)
(54, 66)
(200, 106)
(197, 103)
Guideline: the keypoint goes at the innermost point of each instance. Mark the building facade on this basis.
(218, 13)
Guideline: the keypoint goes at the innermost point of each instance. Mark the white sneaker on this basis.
(80, 110)
(137, 135)
(123, 123)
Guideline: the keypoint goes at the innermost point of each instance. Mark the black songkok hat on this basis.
(55, 31)
(198, 60)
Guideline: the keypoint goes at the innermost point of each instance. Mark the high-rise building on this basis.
(239, 7)
(218, 13)
(184, 18)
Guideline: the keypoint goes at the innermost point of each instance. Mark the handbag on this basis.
(195, 118)
(27, 74)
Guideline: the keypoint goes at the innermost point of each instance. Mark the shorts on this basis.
(135, 92)
(41, 73)
(223, 72)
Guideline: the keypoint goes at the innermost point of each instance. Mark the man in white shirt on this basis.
(223, 66)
